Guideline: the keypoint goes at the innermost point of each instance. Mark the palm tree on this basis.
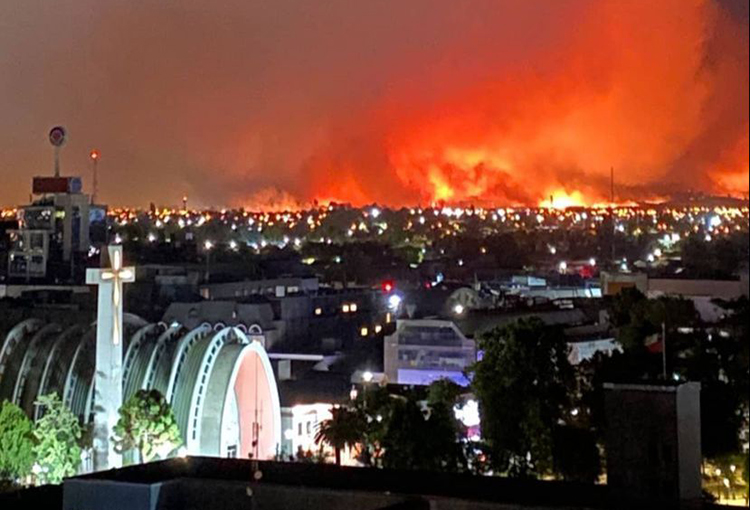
(345, 428)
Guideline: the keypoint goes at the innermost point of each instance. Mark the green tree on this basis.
(576, 454)
(57, 434)
(344, 429)
(148, 425)
(373, 403)
(523, 385)
(424, 434)
(16, 442)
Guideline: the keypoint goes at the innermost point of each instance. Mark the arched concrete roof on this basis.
(159, 365)
(11, 355)
(270, 438)
(200, 371)
(29, 373)
(136, 358)
(57, 365)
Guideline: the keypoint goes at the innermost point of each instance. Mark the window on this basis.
(37, 241)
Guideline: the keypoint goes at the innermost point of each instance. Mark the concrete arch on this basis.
(220, 384)
(159, 365)
(57, 364)
(78, 381)
(183, 347)
(135, 359)
(202, 368)
(132, 351)
(30, 371)
(133, 320)
(11, 356)
(132, 324)
(253, 384)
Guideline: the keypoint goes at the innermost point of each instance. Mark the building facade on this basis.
(55, 230)
(423, 351)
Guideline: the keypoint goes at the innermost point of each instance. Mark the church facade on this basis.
(218, 379)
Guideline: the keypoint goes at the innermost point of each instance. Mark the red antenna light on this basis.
(95, 154)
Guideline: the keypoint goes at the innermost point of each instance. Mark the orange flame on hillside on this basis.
(628, 88)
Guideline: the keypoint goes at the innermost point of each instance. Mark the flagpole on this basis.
(664, 350)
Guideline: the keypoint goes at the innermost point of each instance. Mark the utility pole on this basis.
(612, 208)
(94, 155)
(664, 350)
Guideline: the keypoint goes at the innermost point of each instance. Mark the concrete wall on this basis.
(201, 494)
(653, 441)
(81, 494)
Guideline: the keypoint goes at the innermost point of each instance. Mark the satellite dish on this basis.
(57, 136)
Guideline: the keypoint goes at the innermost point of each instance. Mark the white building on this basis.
(423, 351)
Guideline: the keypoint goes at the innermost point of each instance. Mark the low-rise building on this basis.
(425, 350)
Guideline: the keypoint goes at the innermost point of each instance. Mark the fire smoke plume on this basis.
(398, 102)
(658, 90)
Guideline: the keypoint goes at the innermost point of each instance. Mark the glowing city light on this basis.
(394, 301)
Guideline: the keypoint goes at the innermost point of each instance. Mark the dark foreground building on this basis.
(226, 484)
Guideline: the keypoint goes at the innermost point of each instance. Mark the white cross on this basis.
(115, 276)
(108, 373)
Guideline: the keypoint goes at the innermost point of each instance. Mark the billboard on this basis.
(42, 185)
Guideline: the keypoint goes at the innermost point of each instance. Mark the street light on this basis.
(394, 301)
(208, 246)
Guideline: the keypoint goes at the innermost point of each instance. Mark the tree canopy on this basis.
(423, 433)
(57, 433)
(16, 442)
(344, 429)
(148, 425)
(523, 384)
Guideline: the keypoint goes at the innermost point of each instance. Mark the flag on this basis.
(654, 343)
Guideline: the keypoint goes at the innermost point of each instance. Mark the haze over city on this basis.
(272, 105)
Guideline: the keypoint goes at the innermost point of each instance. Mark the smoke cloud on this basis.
(250, 103)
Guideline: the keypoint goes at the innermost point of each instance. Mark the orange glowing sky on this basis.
(277, 104)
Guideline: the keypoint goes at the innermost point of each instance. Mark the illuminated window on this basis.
(353, 307)
(345, 308)
(364, 331)
(318, 311)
